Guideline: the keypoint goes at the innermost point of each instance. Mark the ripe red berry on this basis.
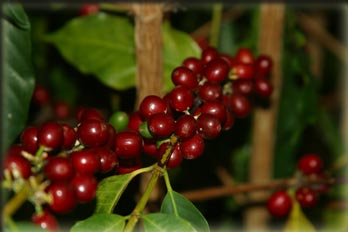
(61, 110)
(85, 161)
(46, 221)
(128, 144)
(108, 158)
(181, 98)
(87, 9)
(310, 164)
(150, 147)
(185, 127)
(84, 113)
(240, 105)
(92, 132)
(151, 105)
(110, 142)
(306, 196)
(263, 87)
(16, 162)
(193, 147)
(210, 91)
(128, 165)
(69, 136)
(85, 186)
(243, 86)
(209, 54)
(242, 71)
(41, 95)
(216, 70)
(215, 108)
(161, 125)
(244, 55)
(229, 120)
(195, 65)
(208, 126)
(29, 139)
(279, 204)
(59, 168)
(50, 135)
(263, 64)
(175, 158)
(184, 76)
(63, 197)
(135, 120)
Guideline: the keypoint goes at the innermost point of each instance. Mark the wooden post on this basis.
(264, 121)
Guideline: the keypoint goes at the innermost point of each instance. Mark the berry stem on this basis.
(158, 171)
(215, 25)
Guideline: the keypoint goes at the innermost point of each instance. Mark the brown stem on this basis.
(148, 44)
(222, 191)
(264, 121)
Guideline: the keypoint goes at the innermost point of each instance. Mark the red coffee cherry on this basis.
(46, 221)
(245, 56)
(63, 197)
(85, 186)
(50, 135)
(175, 158)
(263, 87)
(108, 158)
(92, 132)
(193, 147)
(150, 147)
(243, 86)
(306, 196)
(129, 165)
(184, 76)
(135, 120)
(263, 64)
(185, 127)
(85, 161)
(279, 204)
(208, 126)
(84, 113)
(210, 91)
(242, 71)
(240, 105)
(151, 105)
(16, 162)
(41, 95)
(209, 54)
(215, 108)
(61, 110)
(128, 144)
(195, 65)
(310, 164)
(110, 142)
(29, 139)
(161, 125)
(181, 98)
(69, 136)
(216, 70)
(229, 59)
(59, 168)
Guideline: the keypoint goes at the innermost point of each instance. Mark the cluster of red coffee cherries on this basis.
(281, 201)
(62, 162)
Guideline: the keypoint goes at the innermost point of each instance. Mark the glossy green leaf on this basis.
(101, 45)
(161, 222)
(177, 46)
(23, 226)
(101, 223)
(176, 204)
(111, 188)
(18, 76)
(297, 220)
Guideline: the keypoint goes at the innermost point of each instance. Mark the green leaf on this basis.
(177, 46)
(101, 223)
(155, 222)
(18, 77)
(175, 203)
(297, 220)
(111, 188)
(101, 45)
(23, 226)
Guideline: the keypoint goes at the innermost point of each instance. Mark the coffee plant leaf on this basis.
(23, 226)
(176, 204)
(111, 188)
(100, 45)
(297, 220)
(177, 46)
(162, 222)
(18, 75)
(100, 222)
